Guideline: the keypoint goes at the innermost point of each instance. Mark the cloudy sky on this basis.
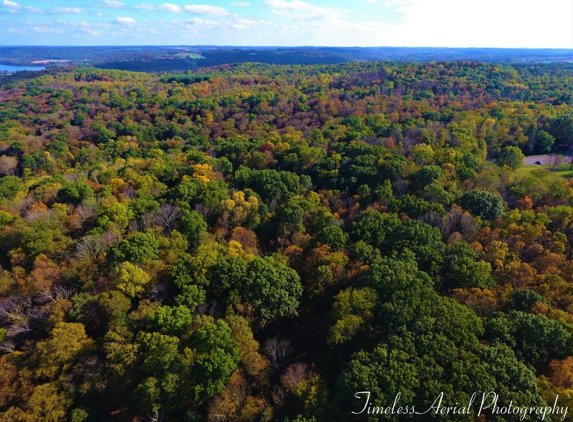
(445, 23)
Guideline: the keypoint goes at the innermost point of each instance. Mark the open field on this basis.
(563, 171)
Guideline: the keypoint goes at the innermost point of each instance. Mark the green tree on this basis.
(486, 205)
(138, 248)
(10, 186)
(534, 338)
(217, 357)
(543, 142)
(511, 157)
(74, 193)
(429, 174)
(192, 225)
(114, 214)
(463, 268)
(272, 288)
(169, 320)
(368, 227)
(332, 236)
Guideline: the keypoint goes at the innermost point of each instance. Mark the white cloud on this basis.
(370, 1)
(113, 4)
(301, 10)
(145, 6)
(487, 23)
(85, 24)
(241, 4)
(67, 10)
(241, 23)
(126, 21)
(170, 7)
(11, 4)
(46, 29)
(201, 22)
(33, 9)
(204, 9)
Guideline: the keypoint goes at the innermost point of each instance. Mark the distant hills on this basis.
(182, 58)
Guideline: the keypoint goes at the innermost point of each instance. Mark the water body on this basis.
(11, 69)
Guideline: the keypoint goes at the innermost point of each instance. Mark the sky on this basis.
(409, 23)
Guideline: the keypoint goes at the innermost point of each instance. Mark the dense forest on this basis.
(261, 242)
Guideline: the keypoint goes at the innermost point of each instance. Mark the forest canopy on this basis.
(261, 242)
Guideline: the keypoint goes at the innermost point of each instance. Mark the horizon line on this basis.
(277, 46)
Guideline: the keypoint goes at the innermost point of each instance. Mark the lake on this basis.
(10, 69)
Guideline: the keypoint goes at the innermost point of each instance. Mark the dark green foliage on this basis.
(486, 205)
(523, 300)
(543, 142)
(217, 357)
(227, 274)
(185, 79)
(74, 193)
(270, 184)
(332, 236)
(138, 248)
(368, 227)
(422, 239)
(534, 338)
(428, 174)
(192, 225)
(462, 268)
(273, 289)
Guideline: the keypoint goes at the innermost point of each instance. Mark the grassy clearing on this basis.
(563, 171)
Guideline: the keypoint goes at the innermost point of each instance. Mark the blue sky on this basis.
(445, 23)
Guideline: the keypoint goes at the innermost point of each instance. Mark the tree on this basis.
(422, 239)
(271, 288)
(226, 274)
(169, 320)
(10, 186)
(165, 370)
(429, 174)
(131, 279)
(192, 225)
(368, 227)
(384, 372)
(138, 248)
(524, 300)
(543, 142)
(217, 358)
(114, 214)
(535, 338)
(486, 205)
(332, 236)
(75, 193)
(352, 308)
(511, 157)
(59, 353)
(462, 268)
